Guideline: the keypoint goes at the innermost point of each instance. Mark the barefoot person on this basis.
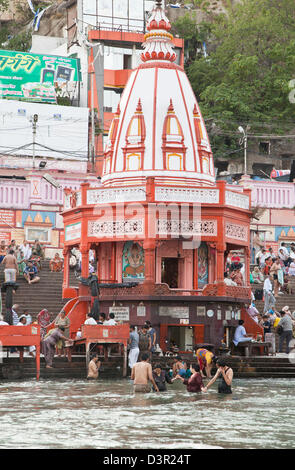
(142, 374)
(49, 344)
(30, 273)
(225, 373)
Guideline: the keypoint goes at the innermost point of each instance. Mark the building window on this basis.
(127, 62)
(264, 148)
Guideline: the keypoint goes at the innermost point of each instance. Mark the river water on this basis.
(77, 414)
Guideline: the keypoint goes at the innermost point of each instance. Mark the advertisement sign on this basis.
(34, 77)
(7, 218)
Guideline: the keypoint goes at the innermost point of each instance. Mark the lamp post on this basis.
(244, 141)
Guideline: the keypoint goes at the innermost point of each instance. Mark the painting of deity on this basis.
(133, 262)
(202, 265)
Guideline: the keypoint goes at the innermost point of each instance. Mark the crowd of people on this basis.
(21, 260)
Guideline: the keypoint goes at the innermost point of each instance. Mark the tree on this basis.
(246, 77)
(4, 5)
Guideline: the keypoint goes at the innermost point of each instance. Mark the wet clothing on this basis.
(144, 388)
(49, 344)
(223, 387)
(161, 380)
(194, 383)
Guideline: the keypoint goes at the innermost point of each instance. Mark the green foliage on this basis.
(20, 42)
(4, 5)
(246, 76)
(193, 34)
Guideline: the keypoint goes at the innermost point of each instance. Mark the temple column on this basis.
(84, 290)
(113, 262)
(221, 287)
(195, 268)
(66, 277)
(149, 246)
(247, 266)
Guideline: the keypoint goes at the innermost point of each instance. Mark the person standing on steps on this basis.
(133, 345)
(50, 342)
(10, 267)
(287, 331)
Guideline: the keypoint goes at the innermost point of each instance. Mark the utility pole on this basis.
(34, 127)
(244, 140)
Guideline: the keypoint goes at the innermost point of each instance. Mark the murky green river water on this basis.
(107, 415)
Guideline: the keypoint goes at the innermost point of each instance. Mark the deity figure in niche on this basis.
(202, 265)
(133, 261)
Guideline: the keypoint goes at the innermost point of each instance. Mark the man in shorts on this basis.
(10, 267)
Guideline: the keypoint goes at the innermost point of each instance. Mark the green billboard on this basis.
(35, 77)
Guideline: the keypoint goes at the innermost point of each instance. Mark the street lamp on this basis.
(244, 141)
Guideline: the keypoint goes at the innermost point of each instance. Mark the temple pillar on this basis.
(66, 277)
(221, 287)
(247, 266)
(195, 268)
(113, 262)
(149, 246)
(84, 290)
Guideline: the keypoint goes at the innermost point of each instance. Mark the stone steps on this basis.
(45, 294)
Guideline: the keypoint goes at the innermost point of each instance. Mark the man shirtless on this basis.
(141, 374)
(10, 267)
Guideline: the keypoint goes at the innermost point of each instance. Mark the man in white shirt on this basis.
(26, 249)
(269, 299)
(228, 281)
(111, 321)
(90, 320)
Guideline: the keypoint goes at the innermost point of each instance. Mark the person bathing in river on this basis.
(195, 383)
(161, 377)
(225, 373)
(141, 374)
(93, 367)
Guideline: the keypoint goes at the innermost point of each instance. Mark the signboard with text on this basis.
(35, 77)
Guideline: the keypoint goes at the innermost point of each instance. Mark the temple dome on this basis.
(159, 130)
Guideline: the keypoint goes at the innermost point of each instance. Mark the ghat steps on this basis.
(45, 294)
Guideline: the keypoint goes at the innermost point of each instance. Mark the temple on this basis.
(158, 217)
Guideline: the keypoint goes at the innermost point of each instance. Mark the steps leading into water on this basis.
(243, 367)
(45, 294)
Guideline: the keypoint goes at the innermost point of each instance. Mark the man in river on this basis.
(93, 367)
(141, 374)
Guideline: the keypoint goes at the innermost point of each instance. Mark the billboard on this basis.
(35, 77)
(61, 131)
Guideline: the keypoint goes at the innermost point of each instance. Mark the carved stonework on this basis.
(113, 228)
(237, 232)
(101, 196)
(187, 195)
(187, 227)
(236, 200)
